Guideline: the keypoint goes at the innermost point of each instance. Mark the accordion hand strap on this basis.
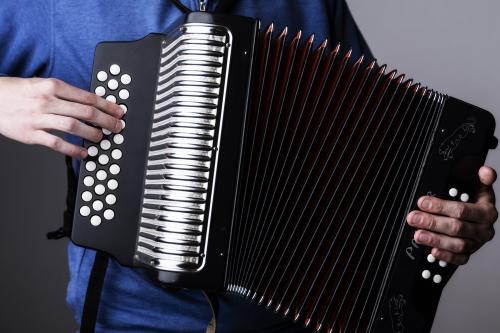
(214, 306)
(93, 296)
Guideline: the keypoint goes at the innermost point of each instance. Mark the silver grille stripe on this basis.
(182, 155)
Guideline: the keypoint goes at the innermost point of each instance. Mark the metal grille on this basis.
(183, 149)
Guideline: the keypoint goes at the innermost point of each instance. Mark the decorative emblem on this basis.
(396, 310)
(448, 146)
(411, 248)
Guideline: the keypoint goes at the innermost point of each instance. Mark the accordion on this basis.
(259, 163)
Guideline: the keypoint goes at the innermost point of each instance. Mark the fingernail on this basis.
(118, 126)
(121, 112)
(424, 238)
(426, 204)
(416, 219)
(83, 153)
(123, 109)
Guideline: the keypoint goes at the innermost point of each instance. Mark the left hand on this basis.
(454, 229)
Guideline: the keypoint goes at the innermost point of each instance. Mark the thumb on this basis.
(487, 176)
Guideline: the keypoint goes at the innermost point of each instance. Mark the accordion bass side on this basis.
(256, 163)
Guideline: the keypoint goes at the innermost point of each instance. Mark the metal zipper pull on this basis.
(203, 5)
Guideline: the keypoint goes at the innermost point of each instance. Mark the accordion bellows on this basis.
(261, 164)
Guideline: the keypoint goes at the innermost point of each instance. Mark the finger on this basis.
(87, 113)
(487, 176)
(449, 226)
(57, 144)
(67, 92)
(464, 211)
(450, 257)
(444, 242)
(68, 125)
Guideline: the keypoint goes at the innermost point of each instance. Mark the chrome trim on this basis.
(170, 248)
(175, 194)
(182, 111)
(168, 257)
(174, 216)
(186, 124)
(178, 174)
(182, 153)
(189, 80)
(182, 156)
(174, 237)
(178, 185)
(177, 205)
(185, 163)
(193, 36)
(167, 226)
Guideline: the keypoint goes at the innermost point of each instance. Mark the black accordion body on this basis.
(257, 163)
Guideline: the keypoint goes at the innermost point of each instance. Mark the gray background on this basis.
(450, 45)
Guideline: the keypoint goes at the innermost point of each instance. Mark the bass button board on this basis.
(111, 86)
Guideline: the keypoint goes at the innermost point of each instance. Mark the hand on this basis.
(453, 229)
(30, 108)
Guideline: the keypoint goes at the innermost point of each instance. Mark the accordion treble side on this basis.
(255, 163)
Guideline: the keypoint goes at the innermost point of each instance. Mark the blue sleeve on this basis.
(26, 38)
(329, 19)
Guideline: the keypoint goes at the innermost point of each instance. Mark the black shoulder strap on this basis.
(225, 6)
(213, 301)
(93, 296)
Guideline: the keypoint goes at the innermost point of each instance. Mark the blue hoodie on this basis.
(56, 38)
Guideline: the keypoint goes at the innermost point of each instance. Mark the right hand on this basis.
(30, 108)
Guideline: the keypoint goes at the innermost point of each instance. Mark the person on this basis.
(45, 61)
